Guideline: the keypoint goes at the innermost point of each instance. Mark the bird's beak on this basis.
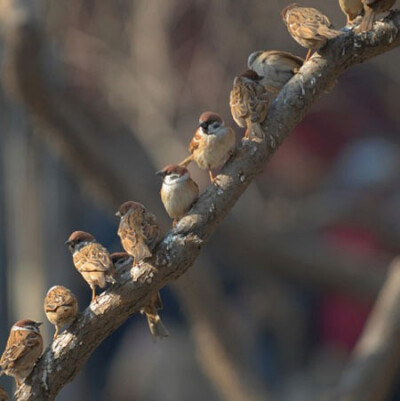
(67, 242)
(118, 214)
(160, 173)
(39, 323)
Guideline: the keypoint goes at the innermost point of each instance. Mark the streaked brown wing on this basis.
(238, 101)
(18, 345)
(56, 299)
(294, 61)
(150, 230)
(93, 258)
(127, 232)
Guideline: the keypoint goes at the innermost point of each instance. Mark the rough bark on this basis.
(180, 247)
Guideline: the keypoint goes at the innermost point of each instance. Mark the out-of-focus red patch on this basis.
(341, 318)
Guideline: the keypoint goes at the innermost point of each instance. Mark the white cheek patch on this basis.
(175, 179)
(31, 329)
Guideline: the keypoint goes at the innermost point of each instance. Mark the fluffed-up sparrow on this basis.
(178, 191)
(308, 27)
(23, 349)
(351, 8)
(60, 307)
(212, 144)
(138, 230)
(371, 9)
(91, 259)
(249, 102)
(276, 67)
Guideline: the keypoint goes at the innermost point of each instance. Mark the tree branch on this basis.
(181, 246)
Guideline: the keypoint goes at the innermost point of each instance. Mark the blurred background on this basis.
(96, 96)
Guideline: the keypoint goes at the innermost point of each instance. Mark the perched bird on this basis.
(249, 102)
(156, 326)
(352, 9)
(3, 395)
(157, 329)
(308, 27)
(91, 259)
(212, 144)
(23, 349)
(178, 191)
(371, 9)
(276, 67)
(60, 307)
(138, 230)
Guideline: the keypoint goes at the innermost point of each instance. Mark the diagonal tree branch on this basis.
(181, 246)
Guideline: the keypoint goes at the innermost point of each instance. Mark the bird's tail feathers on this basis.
(186, 161)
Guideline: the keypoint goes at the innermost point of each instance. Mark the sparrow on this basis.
(157, 329)
(276, 67)
(371, 9)
(3, 395)
(23, 349)
(352, 9)
(249, 102)
(138, 230)
(91, 259)
(308, 27)
(60, 307)
(212, 144)
(178, 191)
(156, 326)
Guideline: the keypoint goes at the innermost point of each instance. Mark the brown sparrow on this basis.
(275, 66)
(212, 144)
(23, 349)
(249, 102)
(91, 259)
(60, 307)
(308, 27)
(156, 326)
(371, 9)
(352, 9)
(178, 191)
(3, 395)
(157, 329)
(138, 230)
